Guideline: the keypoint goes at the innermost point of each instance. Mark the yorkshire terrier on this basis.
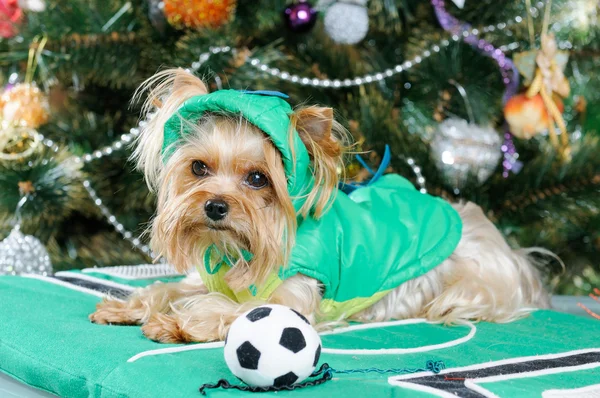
(249, 208)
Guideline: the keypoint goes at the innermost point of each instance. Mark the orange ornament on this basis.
(24, 105)
(528, 116)
(199, 13)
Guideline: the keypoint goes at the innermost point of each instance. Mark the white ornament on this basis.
(347, 22)
(459, 3)
(272, 345)
(23, 254)
(32, 5)
(461, 149)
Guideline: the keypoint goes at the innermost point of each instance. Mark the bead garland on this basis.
(127, 235)
(417, 170)
(108, 150)
(360, 80)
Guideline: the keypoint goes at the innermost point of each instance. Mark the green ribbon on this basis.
(225, 259)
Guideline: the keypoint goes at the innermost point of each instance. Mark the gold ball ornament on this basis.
(24, 105)
(199, 13)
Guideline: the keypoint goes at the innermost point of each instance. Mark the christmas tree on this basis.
(492, 102)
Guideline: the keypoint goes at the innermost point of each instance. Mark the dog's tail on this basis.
(485, 279)
(165, 91)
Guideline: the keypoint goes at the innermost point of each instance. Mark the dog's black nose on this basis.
(216, 209)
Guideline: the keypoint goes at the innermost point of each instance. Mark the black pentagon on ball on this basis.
(317, 356)
(248, 356)
(292, 339)
(258, 313)
(286, 380)
(301, 316)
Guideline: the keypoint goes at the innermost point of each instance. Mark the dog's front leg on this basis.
(208, 317)
(145, 302)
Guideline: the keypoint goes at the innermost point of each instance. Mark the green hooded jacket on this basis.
(369, 241)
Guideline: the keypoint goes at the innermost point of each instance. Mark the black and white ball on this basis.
(272, 345)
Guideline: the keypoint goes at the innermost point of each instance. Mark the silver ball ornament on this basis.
(461, 149)
(23, 254)
(347, 22)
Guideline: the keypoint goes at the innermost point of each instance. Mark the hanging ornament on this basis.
(461, 149)
(199, 14)
(543, 70)
(18, 142)
(24, 104)
(23, 254)
(528, 116)
(540, 107)
(11, 16)
(300, 16)
(347, 21)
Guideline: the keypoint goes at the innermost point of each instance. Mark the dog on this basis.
(247, 194)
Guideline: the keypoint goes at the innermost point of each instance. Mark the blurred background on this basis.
(496, 102)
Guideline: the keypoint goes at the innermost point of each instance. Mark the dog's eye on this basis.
(199, 168)
(257, 180)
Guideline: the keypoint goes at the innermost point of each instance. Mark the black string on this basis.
(431, 366)
(324, 372)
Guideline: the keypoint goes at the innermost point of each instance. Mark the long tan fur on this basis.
(326, 141)
(165, 91)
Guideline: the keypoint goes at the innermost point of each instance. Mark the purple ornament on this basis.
(300, 16)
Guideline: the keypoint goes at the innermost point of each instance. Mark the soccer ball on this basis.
(272, 345)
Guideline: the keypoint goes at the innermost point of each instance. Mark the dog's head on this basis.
(223, 182)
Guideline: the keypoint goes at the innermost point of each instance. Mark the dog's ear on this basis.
(325, 140)
(167, 90)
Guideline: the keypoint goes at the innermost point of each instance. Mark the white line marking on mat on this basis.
(397, 351)
(219, 344)
(419, 387)
(172, 350)
(583, 392)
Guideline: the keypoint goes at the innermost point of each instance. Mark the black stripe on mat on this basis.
(454, 383)
(96, 286)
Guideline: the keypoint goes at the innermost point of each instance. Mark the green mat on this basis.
(47, 342)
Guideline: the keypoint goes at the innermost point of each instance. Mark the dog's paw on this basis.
(114, 312)
(165, 329)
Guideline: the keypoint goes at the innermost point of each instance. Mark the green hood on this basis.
(267, 111)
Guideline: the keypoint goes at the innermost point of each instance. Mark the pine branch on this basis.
(54, 183)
